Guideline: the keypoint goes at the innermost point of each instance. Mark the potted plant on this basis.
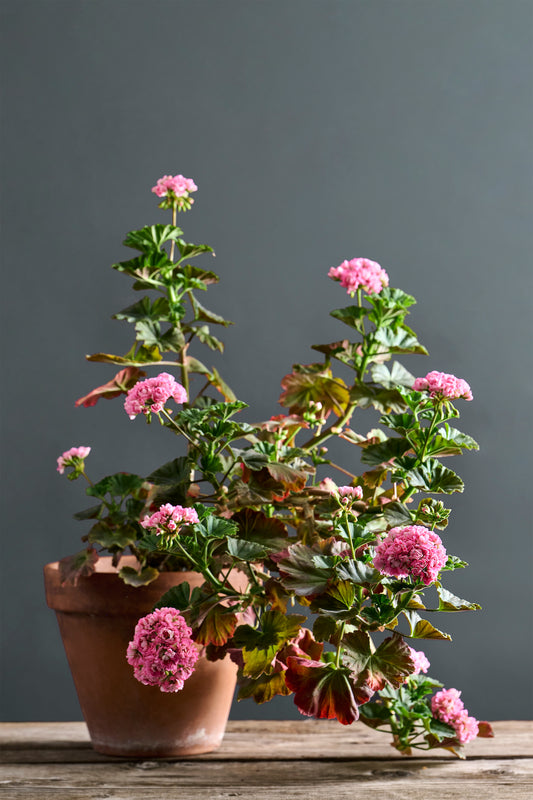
(251, 552)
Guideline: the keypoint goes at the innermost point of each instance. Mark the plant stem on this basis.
(339, 646)
(173, 242)
(175, 424)
(428, 437)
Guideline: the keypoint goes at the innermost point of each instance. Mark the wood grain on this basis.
(308, 760)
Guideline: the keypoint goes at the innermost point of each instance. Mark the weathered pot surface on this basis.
(97, 619)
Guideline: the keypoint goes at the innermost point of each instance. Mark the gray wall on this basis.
(316, 131)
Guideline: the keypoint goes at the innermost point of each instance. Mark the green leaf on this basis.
(449, 601)
(375, 714)
(205, 276)
(324, 628)
(433, 477)
(441, 730)
(451, 442)
(173, 472)
(351, 315)
(119, 484)
(143, 357)
(188, 250)
(89, 513)
(385, 451)
(179, 597)
(390, 379)
(111, 537)
(254, 460)
(133, 578)
(216, 380)
(263, 688)
(260, 645)
(208, 339)
(203, 314)
(400, 341)
(401, 423)
(145, 310)
(422, 629)
(454, 562)
(152, 237)
(358, 572)
(389, 664)
(247, 551)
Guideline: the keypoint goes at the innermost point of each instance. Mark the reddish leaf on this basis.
(306, 570)
(80, 565)
(324, 691)
(217, 626)
(314, 382)
(304, 645)
(277, 595)
(120, 384)
(485, 730)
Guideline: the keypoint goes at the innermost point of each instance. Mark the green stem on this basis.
(175, 424)
(173, 242)
(428, 437)
(334, 428)
(89, 481)
(339, 646)
(352, 548)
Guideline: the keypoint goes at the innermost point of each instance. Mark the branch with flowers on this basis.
(264, 500)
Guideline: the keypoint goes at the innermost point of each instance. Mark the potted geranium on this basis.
(250, 551)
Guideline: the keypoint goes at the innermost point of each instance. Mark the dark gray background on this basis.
(316, 131)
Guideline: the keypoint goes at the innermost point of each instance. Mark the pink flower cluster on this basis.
(442, 384)
(66, 459)
(152, 394)
(447, 706)
(350, 493)
(420, 661)
(411, 550)
(346, 494)
(162, 652)
(177, 184)
(360, 273)
(169, 518)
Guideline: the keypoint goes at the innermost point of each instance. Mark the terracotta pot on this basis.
(97, 619)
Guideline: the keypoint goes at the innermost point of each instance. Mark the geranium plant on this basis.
(336, 563)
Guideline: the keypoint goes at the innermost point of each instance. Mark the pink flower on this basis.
(346, 494)
(168, 519)
(162, 652)
(466, 728)
(411, 550)
(447, 706)
(174, 184)
(442, 384)
(350, 493)
(67, 459)
(420, 661)
(152, 394)
(360, 273)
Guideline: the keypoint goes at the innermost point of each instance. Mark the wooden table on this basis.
(307, 759)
